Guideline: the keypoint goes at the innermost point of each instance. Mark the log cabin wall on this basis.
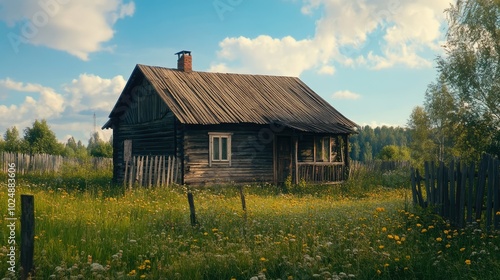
(251, 155)
(148, 124)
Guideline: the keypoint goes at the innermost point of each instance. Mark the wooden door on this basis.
(283, 158)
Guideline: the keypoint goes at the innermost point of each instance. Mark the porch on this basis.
(313, 158)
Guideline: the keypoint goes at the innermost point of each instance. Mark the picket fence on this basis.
(459, 192)
(150, 171)
(45, 163)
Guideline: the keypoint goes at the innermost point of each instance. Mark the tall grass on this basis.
(310, 232)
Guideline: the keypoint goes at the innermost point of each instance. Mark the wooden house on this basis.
(229, 128)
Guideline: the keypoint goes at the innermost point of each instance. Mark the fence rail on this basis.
(320, 173)
(150, 171)
(44, 163)
(461, 192)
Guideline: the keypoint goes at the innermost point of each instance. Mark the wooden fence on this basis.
(44, 163)
(150, 171)
(331, 172)
(461, 193)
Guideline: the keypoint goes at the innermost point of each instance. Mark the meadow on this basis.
(366, 228)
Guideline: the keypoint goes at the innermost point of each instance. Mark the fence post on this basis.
(481, 186)
(413, 185)
(242, 196)
(428, 188)
(163, 171)
(463, 181)
(419, 190)
(192, 211)
(27, 234)
(496, 191)
(470, 192)
(451, 196)
(489, 194)
(169, 175)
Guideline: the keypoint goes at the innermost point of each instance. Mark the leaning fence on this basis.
(45, 163)
(150, 171)
(461, 193)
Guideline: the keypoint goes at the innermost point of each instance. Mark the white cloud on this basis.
(345, 94)
(78, 27)
(327, 70)
(375, 124)
(69, 112)
(285, 56)
(91, 92)
(49, 103)
(405, 30)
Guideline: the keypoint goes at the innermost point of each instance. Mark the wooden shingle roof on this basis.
(218, 98)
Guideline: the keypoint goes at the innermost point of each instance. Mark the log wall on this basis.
(251, 155)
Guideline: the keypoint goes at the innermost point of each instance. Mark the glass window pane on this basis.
(215, 150)
(326, 148)
(223, 148)
(318, 146)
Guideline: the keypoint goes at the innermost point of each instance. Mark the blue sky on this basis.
(65, 60)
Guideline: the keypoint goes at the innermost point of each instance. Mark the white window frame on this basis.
(219, 135)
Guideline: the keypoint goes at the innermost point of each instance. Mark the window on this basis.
(219, 148)
(322, 149)
(328, 149)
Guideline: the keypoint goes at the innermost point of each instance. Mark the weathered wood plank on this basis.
(470, 192)
(461, 195)
(489, 194)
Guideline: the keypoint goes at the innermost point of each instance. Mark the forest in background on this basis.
(385, 143)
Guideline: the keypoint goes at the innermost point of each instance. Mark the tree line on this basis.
(40, 139)
(385, 143)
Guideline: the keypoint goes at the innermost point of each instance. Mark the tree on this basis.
(394, 153)
(443, 116)
(368, 154)
(98, 147)
(355, 151)
(421, 145)
(81, 150)
(472, 67)
(40, 139)
(12, 144)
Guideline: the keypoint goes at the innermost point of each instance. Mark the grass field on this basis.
(364, 229)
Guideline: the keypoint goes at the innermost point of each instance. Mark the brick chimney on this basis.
(184, 61)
